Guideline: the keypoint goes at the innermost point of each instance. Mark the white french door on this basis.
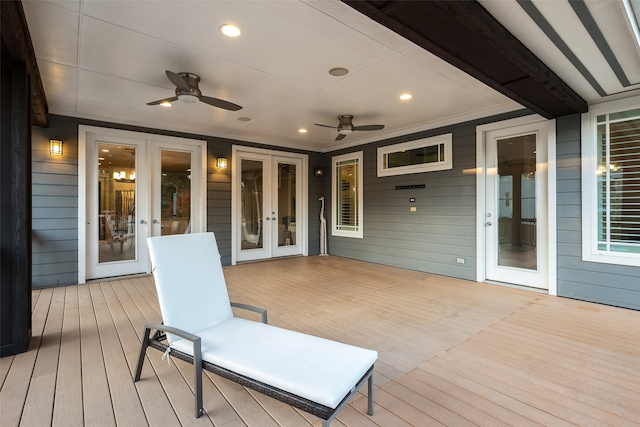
(269, 204)
(515, 206)
(136, 186)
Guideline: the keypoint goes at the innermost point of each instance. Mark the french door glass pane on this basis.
(175, 197)
(517, 222)
(251, 187)
(116, 203)
(287, 204)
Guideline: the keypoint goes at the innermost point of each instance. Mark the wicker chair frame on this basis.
(158, 341)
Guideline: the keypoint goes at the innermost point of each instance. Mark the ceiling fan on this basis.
(345, 126)
(187, 91)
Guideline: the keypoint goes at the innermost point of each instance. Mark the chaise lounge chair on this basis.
(313, 374)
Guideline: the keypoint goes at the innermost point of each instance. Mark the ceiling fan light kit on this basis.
(186, 97)
(187, 91)
(345, 126)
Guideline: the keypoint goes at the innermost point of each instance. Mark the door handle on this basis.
(155, 221)
(488, 223)
(142, 221)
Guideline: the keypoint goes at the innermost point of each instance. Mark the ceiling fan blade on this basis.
(369, 127)
(178, 81)
(160, 101)
(340, 136)
(220, 103)
(325, 126)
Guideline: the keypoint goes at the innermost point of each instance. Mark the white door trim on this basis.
(83, 131)
(302, 226)
(551, 250)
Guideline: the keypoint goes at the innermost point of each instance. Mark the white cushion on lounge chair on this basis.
(193, 297)
(192, 262)
(317, 369)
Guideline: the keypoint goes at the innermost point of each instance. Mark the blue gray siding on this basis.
(443, 227)
(55, 198)
(588, 281)
(55, 206)
(431, 239)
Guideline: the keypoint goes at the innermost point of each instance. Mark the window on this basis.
(611, 180)
(423, 155)
(346, 182)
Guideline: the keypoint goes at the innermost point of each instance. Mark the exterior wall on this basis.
(443, 227)
(55, 198)
(589, 281)
(55, 205)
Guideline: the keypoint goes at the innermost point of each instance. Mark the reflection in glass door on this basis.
(251, 204)
(286, 203)
(517, 222)
(175, 192)
(116, 221)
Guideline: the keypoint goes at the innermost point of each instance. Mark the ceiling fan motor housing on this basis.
(346, 126)
(193, 94)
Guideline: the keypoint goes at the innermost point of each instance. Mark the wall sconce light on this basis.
(222, 162)
(55, 147)
(318, 171)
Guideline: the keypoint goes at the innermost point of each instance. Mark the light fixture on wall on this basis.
(318, 171)
(222, 162)
(55, 147)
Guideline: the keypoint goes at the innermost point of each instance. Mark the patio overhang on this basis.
(466, 35)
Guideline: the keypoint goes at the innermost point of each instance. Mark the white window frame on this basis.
(335, 231)
(590, 251)
(446, 139)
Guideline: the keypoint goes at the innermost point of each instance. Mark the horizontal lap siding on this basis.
(603, 283)
(443, 227)
(55, 206)
(55, 197)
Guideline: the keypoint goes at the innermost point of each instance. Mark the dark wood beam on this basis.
(467, 36)
(15, 209)
(17, 42)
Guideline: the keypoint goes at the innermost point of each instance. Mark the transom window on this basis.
(611, 175)
(422, 155)
(346, 180)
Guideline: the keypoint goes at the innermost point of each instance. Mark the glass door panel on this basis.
(517, 202)
(116, 199)
(515, 197)
(286, 202)
(286, 215)
(251, 204)
(175, 192)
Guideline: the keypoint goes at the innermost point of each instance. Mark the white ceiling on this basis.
(105, 60)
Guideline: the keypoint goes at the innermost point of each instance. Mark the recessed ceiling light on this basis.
(165, 104)
(244, 119)
(302, 130)
(338, 71)
(406, 96)
(230, 30)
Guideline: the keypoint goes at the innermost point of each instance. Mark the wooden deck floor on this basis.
(451, 353)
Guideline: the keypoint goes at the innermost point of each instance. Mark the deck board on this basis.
(67, 410)
(451, 353)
